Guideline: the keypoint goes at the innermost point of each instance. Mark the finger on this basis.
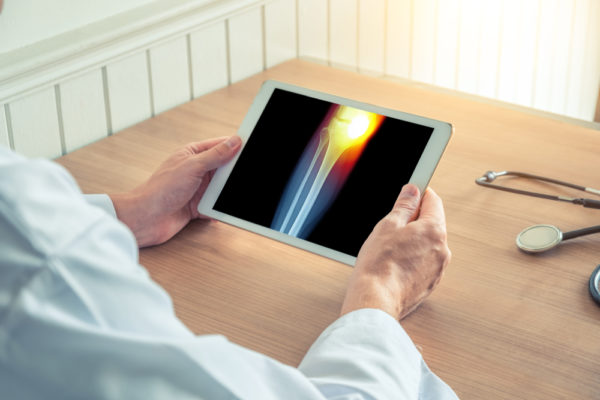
(406, 207)
(432, 208)
(219, 154)
(199, 147)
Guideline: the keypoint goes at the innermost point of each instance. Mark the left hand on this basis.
(160, 207)
(403, 259)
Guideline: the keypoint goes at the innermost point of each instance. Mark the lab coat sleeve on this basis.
(101, 201)
(368, 354)
(80, 318)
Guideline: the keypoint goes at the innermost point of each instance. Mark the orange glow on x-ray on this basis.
(323, 168)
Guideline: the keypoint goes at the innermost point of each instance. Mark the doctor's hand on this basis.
(160, 207)
(403, 259)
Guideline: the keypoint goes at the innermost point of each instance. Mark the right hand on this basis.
(403, 259)
(160, 207)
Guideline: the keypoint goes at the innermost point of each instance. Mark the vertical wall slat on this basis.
(399, 38)
(509, 50)
(83, 110)
(545, 55)
(3, 128)
(561, 56)
(280, 31)
(423, 40)
(343, 30)
(209, 59)
(469, 42)
(39, 136)
(446, 44)
(526, 53)
(170, 74)
(489, 48)
(245, 45)
(371, 36)
(589, 93)
(313, 29)
(577, 59)
(128, 91)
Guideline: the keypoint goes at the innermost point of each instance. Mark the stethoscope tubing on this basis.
(580, 232)
(490, 176)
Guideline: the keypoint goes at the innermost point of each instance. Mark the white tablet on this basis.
(318, 171)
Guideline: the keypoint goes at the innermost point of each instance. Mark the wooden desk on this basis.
(501, 325)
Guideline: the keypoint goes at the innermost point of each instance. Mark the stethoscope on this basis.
(543, 237)
(540, 238)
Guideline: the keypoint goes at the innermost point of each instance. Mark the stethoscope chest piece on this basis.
(595, 285)
(538, 238)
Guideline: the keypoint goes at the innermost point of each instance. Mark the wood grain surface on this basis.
(501, 325)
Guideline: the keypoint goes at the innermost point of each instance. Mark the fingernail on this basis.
(233, 141)
(409, 190)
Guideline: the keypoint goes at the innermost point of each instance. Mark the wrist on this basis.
(131, 208)
(370, 291)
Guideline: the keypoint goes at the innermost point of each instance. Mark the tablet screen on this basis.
(320, 171)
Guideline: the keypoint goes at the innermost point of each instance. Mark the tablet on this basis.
(318, 171)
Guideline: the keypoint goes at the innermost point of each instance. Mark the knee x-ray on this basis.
(320, 171)
(323, 168)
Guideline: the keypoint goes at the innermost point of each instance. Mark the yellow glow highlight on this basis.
(350, 127)
(358, 126)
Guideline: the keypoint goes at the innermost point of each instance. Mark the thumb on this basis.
(219, 154)
(407, 204)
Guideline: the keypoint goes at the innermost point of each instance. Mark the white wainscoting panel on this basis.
(76, 89)
(245, 45)
(170, 74)
(35, 126)
(371, 36)
(4, 141)
(399, 38)
(343, 33)
(209, 59)
(280, 31)
(313, 26)
(128, 88)
(83, 110)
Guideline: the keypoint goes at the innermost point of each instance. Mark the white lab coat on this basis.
(81, 319)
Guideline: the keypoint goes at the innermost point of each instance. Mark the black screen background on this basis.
(288, 122)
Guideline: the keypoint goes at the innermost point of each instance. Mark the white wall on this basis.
(534, 53)
(126, 68)
(24, 22)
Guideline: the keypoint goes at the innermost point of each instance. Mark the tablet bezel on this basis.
(420, 177)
